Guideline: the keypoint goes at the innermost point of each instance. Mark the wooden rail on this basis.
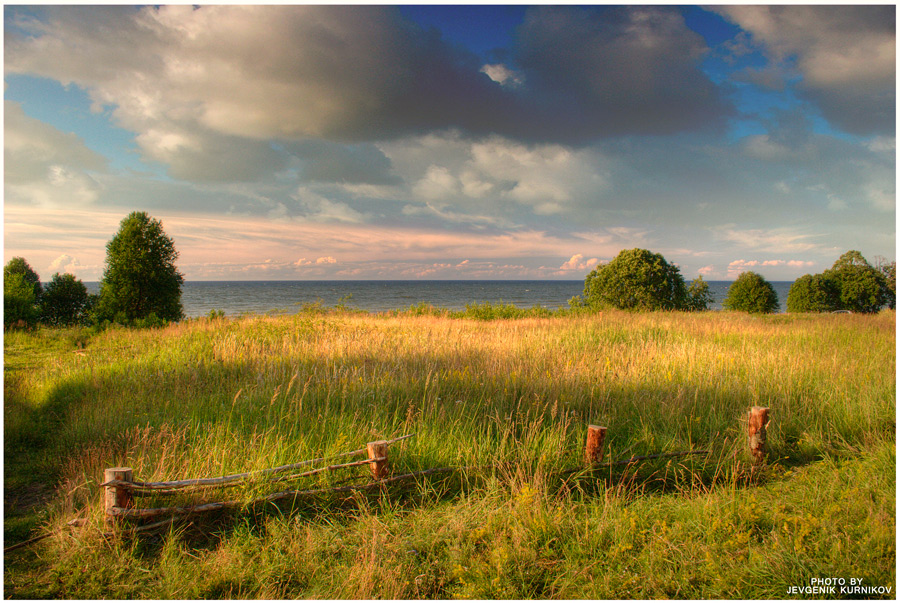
(121, 486)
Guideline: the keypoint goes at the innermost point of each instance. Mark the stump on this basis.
(759, 418)
(593, 449)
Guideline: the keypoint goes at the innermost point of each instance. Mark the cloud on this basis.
(68, 264)
(326, 260)
(846, 55)
(618, 70)
(503, 75)
(43, 165)
(736, 267)
(325, 161)
(205, 88)
(577, 262)
(545, 178)
(775, 240)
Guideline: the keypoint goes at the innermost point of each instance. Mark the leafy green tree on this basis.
(18, 265)
(20, 305)
(889, 273)
(861, 287)
(140, 278)
(65, 301)
(636, 279)
(813, 293)
(21, 294)
(750, 292)
(699, 295)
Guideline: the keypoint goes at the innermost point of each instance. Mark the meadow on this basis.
(503, 395)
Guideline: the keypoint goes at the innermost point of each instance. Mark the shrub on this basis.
(636, 279)
(750, 292)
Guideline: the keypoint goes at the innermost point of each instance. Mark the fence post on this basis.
(759, 418)
(593, 449)
(378, 450)
(115, 495)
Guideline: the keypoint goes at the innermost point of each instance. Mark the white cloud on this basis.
(738, 266)
(846, 54)
(68, 264)
(503, 75)
(45, 166)
(326, 260)
(577, 262)
(774, 240)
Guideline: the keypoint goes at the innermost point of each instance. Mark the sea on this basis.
(237, 298)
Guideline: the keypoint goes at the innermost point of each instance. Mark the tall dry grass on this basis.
(508, 398)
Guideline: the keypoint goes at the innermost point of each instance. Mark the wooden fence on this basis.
(122, 488)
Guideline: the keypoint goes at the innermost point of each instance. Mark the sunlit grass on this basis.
(509, 399)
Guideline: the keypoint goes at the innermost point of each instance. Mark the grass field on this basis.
(508, 399)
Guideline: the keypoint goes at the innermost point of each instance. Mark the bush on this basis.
(65, 301)
(636, 279)
(813, 293)
(750, 292)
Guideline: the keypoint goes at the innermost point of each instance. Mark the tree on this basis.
(65, 301)
(813, 293)
(750, 292)
(636, 279)
(18, 265)
(140, 278)
(699, 296)
(21, 294)
(861, 288)
(889, 273)
(20, 306)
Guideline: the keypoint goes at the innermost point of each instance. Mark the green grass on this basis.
(508, 395)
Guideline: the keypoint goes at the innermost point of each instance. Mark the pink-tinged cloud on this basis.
(217, 247)
(577, 262)
(738, 266)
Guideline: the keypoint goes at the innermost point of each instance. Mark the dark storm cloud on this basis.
(357, 73)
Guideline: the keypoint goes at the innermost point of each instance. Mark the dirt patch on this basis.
(26, 499)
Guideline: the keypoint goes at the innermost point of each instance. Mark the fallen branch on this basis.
(27, 542)
(228, 479)
(80, 523)
(234, 504)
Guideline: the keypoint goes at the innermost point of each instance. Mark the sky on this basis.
(451, 142)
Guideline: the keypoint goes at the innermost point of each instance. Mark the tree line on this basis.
(638, 279)
(141, 285)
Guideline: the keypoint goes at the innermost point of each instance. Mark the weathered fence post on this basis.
(378, 450)
(593, 449)
(759, 418)
(117, 496)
